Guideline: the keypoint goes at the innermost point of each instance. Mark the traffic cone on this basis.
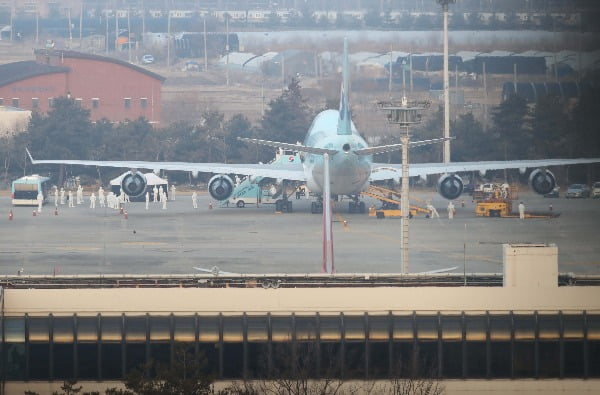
(125, 214)
(55, 210)
(210, 205)
(462, 203)
(10, 215)
(34, 212)
(121, 210)
(550, 207)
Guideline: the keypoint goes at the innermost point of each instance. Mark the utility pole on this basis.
(169, 40)
(444, 4)
(205, 49)
(80, 26)
(37, 23)
(227, 49)
(405, 115)
(107, 39)
(128, 35)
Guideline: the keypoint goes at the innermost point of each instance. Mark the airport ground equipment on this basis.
(250, 190)
(390, 203)
(494, 200)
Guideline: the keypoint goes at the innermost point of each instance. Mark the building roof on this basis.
(80, 55)
(18, 71)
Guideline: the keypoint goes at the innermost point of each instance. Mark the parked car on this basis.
(596, 190)
(578, 191)
(553, 193)
(147, 59)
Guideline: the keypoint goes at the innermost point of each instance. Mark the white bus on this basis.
(25, 190)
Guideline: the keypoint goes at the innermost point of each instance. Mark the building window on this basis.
(78, 101)
(50, 102)
(144, 102)
(127, 102)
(35, 103)
(95, 103)
(15, 102)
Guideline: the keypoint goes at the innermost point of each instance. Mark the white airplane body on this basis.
(351, 166)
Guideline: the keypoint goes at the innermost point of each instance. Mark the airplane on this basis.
(351, 166)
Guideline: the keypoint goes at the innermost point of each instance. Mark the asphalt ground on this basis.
(257, 240)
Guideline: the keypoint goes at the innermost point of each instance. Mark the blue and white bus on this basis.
(25, 190)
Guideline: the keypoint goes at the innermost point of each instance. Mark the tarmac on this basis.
(258, 240)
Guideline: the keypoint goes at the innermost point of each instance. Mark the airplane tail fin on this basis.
(344, 118)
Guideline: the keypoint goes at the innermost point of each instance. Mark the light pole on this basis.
(404, 114)
(444, 4)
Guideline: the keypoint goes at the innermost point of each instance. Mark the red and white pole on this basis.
(328, 263)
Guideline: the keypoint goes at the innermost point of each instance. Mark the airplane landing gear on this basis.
(356, 205)
(283, 205)
(317, 207)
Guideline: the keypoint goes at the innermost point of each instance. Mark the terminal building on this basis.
(529, 329)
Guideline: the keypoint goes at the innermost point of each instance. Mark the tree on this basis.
(235, 150)
(185, 376)
(66, 132)
(472, 142)
(287, 117)
(512, 125)
(584, 137)
(549, 123)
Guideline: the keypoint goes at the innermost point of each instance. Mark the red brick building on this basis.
(108, 87)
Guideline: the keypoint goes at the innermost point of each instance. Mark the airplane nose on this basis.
(346, 147)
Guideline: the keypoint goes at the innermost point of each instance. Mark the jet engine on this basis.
(133, 184)
(220, 187)
(542, 181)
(450, 186)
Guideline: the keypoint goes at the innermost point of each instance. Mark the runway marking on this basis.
(78, 248)
(143, 243)
(341, 220)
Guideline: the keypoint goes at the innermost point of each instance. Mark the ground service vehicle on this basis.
(553, 193)
(24, 190)
(596, 190)
(578, 191)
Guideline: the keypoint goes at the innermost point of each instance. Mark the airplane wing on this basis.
(385, 171)
(288, 171)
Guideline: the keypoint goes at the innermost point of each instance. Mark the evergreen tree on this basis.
(472, 142)
(66, 132)
(287, 117)
(549, 125)
(238, 151)
(511, 119)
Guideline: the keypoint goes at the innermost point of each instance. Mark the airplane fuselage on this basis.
(349, 172)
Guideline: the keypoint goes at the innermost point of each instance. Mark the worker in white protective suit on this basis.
(55, 196)
(432, 211)
(451, 210)
(70, 198)
(40, 201)
(62, 195)
(147, 199)
(155, 194)
(93, 201)
(521, 210)
(195, 199)
(101, 198)
(163, 199)
(173, 192)
(79, 194)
